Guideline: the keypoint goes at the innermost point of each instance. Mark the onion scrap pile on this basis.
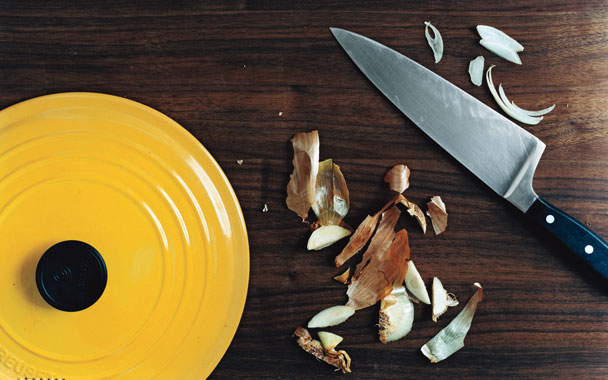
(386, 272)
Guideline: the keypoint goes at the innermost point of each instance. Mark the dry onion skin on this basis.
(416, 212)
(338, 359)
(331, 316)
(383, 266)
(398, 178)
(415, 284)
(363, 233)
(331, 195)
(303, 180)
(441, 299)
(436, 42)
(396, 316)
(343, 278)
(476, 70)
(451, 338)
(437, 212)
(515, 113)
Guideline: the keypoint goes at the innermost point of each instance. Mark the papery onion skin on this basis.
(332, 199)
(438, 213)
(303, 179)
(398, 178)
(338, 359)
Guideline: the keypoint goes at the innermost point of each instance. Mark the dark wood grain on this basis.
(225, 70)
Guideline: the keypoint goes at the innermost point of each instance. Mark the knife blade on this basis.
(499, 152)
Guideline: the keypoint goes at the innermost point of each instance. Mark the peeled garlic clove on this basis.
(476, 70)
(415, 284)
(438, 213)
(503, 51)
(343, 278)
(441, 299)
(489, 32)
(396, 316)
(331, 194)
(325, 236)
(302, 182)
(329, 340)
(519, 116)
(451, 338)
(436, 43)
(331, 316)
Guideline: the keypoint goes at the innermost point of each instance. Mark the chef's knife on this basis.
(499, 152)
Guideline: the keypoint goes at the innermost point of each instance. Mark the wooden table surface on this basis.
(244, 76)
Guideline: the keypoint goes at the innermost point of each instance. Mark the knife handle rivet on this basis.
(588, 249)
(550, 219)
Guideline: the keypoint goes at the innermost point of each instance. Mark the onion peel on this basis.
(332, 199)
(383, 266)
(343, 278)
(302, 181)
(437, 212)
(398, 178)
(338, 359)
(416, 212)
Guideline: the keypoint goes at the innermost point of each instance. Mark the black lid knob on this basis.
(71, 275)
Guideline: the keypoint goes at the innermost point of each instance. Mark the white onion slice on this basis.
(514, 113)
(436, 43)
(489, 32)
(476, 70)
(511, 104)
(331, 316)
(501, 50)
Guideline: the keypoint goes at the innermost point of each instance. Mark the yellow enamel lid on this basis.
(136, 186)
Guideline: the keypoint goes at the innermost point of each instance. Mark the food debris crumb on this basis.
(280, 113)
(240, 162)
(566, 105)
(265, 209)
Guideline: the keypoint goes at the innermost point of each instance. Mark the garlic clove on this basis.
(329, 340)
(396, 316)
(415, 284)
(331, 316)
(476, 70)
(503, 51)
(325, 236)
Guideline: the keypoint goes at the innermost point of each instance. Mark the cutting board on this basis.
(244, 76)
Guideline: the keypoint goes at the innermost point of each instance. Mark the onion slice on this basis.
(415, 283)
(331, 316)
(514, 113)
(489, 32)
(398, 178)
(451, 338)
(476, 70)
(436, 42)
(302, 182)
(396, 316)
(437, 212)
(338, 359)
(501, 50)
(511, 104)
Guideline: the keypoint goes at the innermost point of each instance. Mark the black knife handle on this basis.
(572, 233)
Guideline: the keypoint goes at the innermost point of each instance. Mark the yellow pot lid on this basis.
(136, 186)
